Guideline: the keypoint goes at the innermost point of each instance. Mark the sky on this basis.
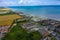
(28, 2)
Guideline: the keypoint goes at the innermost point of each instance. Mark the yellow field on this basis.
(8, 19)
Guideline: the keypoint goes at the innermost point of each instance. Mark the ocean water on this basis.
(52, 12)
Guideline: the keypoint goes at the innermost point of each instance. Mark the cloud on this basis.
(39, 2)
(8, 4)
(28, 2)
(21, 1)
(50, 2)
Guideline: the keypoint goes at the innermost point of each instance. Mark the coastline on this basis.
(43, 11)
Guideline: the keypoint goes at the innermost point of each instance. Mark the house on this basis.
(47, 38)
(51, 28)
(30, 26)
(57, 25)
(58, 30)
(44, 32)
(4, 29)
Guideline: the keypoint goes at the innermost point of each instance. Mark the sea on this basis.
(52, 12)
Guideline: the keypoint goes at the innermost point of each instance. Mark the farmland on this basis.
(8, 19)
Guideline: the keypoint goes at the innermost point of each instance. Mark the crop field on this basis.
(8, 19)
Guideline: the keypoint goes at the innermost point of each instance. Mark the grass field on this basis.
(8, 19)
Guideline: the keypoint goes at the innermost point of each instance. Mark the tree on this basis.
(18, 33)
(53, 38)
